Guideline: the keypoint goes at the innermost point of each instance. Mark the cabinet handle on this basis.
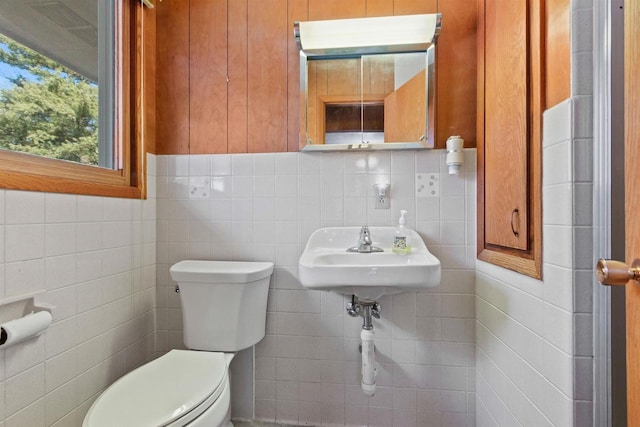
(513, 214)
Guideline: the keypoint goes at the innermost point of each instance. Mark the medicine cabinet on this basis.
(368, 83)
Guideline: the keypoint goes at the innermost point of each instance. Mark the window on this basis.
(70, 99)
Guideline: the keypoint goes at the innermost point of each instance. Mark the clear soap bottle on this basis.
(400, 237)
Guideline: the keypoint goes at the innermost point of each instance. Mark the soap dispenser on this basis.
(400, 237)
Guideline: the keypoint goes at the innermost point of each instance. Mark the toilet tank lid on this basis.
(220, 271)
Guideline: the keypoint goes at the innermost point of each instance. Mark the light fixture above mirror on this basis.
(367, 83)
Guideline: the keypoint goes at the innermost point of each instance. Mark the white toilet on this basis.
(224, 308)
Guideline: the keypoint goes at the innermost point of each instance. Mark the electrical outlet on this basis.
(427, 185)
(381, 192)
(382, 202)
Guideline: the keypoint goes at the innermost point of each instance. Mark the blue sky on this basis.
(6, 72)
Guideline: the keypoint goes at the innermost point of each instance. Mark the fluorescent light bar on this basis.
(387, 34)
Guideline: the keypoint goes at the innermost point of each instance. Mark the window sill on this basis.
(25, 172)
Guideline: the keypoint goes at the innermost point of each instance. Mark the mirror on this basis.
(370, 100)
(373, 97)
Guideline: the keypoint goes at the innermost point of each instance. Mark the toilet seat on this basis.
(169, 391)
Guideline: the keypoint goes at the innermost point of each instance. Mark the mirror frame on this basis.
(338, 45)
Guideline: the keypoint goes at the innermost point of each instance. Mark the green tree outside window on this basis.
(49, 110)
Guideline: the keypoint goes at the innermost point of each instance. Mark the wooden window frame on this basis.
(19, 171)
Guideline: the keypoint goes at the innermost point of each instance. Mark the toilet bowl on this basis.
(173, 390)
(224, 307)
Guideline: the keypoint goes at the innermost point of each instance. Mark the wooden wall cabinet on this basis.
(510, 106)
(227, 78)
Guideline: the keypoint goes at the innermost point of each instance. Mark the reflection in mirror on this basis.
(354, 124)
(368, 100)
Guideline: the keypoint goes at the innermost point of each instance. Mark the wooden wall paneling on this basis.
(149, 79)
(237, 44)
(390, 79)
(379, 7)
(336, 9)
(172, 78)
(558, 52)
(343, 77)
(297, 10)
(371, 84)
(506, 126)
(220, 124)
(456, 70)
(378, 75)
(208, 77)
(411, 7)
(267, 75)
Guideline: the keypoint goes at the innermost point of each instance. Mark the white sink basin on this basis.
(326, 265)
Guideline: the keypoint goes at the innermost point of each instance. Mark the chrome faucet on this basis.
(364, 243)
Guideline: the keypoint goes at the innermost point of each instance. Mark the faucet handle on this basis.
(364, 242)
(365, 235)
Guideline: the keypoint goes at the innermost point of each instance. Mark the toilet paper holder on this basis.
(22, 318)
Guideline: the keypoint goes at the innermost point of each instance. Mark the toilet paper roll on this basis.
(24, 328)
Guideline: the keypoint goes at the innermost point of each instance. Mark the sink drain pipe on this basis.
(368, 362)
(367, 337)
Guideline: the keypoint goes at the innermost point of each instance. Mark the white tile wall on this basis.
(264, 207)
(534, 338)
(93, 258)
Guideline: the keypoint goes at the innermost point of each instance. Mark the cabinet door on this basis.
(510, 105)
(506, 127)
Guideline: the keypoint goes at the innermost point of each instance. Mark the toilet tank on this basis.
(224, 303)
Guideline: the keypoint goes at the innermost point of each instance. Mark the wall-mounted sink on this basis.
(325, 264)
